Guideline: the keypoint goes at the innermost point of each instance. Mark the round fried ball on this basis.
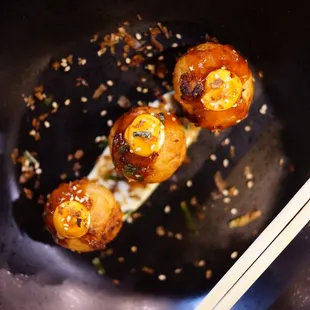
(82, 216)
(147, 144)
(214, 85)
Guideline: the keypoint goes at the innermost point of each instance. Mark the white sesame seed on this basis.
(162, 277)
(261, 74)
(191, 68)
(103, 113)
(66, 225)
(167, 209)
(67, 101)
(66, 228)
(281, 161)
(238, 121)
(129, 220)
(38, 171)
(55, 105)
(213, 157)
(225, 163)
(233, 211)
(226, 141)
(234, 255)
(178, 36)
(145, 90)
(249, 176)
(62, 220)
(47, 124)
(138, 149)
(173, 119)
(128, 60)
(110, 83)
(149, 55)
(225, 192)
(68, 218)
(161, 57)
(178, 236)
(68, 68)
(149, 47)
(189, 183)
(110, 123)
(263, 109)
(139, 89)
(84, 99)
(152, 147)
(201, 263)
(133, 249)
(226, 200)
(174, 45)
(138, 36)
(178, 270)
(247, 128)
(250, 184)
(208, 274)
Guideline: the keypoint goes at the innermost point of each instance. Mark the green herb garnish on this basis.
(161, 117)
(48, 100)
(190, 222)
(112, 177)
(123, 148)
(98, 265)
(130, 170)
(30, 158)
(103, 144)
(142, 134)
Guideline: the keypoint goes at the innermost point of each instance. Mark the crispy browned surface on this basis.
(159, 166)
(189, 84)
(105, 212)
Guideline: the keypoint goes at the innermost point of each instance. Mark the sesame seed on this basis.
(162, 277)
(238, 121)
(110, 83)
(263, 109)
(226, 200)
(128, 60)
(149, 47)
(149, 55)
(133, 249)
(173, 119)
(249, 176)
(247, 128)
(177, 270)
(201, 263)
(152, 147)
(55, 105)
(213, 157)
(225, 192)
(178, 36)
(139, 89)
(68, 218)
(138, 36)
(121, 259)
(84, 99)
(145, 90)
(68, 68)
(178, 236)
(66, 225)
(129, 220)
(189, 183)
(233, 211)
(281, 161)
(110, 123)
(226, 141)
(66, 228)
(167, 209)
(67, 101)
(38, 171)
(250, 184)
(261, 74)
(174, 45)
(208, 274)
(47, 124)
(191, 68)
(103, 113)
(225, 163)
(161, 57)
(160, 231)
(234, 255)
(110, 98)
(138, 149)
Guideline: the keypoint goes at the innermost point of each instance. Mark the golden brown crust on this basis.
(159, 166)
(105, 214)
(189, 78)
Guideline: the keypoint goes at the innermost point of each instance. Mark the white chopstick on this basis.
(289, 221)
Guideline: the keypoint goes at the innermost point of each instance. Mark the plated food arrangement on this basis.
(213, 85)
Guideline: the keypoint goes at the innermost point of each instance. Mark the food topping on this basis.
(222, 90)
(71, 219)
(145, 135)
